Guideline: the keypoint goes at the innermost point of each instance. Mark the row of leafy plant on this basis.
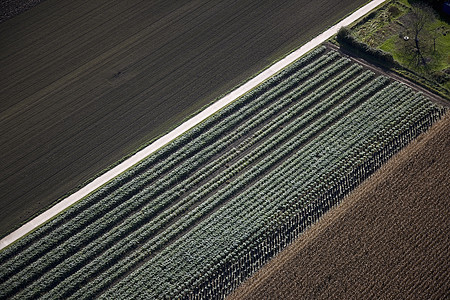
(136, 175)
(187, 221)
(214, 201)
(229, 275)
(126, 239)
(172, 153)
(388, 121)
(75, 229)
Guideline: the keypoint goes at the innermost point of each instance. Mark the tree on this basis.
(420, 19)
(435, 33)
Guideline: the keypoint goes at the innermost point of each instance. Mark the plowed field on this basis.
(84, 83)
(12, 8)
(388, 240)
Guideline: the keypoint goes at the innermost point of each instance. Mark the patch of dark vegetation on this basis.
(441, 7)
(348, 41)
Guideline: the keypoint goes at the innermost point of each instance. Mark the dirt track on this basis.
(86, 82)
(388, 240)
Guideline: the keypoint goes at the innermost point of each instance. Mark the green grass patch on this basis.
(386, 29)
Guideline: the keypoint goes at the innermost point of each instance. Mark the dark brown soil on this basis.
(85, 83)
(388, 240)
(12, 8)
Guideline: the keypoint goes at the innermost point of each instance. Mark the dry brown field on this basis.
(389, 239)
(84, 83)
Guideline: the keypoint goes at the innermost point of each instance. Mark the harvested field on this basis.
(84, 83)
(388, 240)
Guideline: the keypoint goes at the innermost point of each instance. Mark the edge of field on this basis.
(276, 66)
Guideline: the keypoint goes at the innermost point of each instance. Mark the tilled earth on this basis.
(12, 8)
(389, 239)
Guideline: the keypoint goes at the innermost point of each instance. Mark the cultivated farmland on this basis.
(85, 83)
(388, 240)
(12, 8)
(204, 212)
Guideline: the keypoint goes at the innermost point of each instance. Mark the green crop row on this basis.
(218, 228)
(165, 152)
(201, 214)
(112, 200)
(122, 210)
(92, 220)
(144, 230)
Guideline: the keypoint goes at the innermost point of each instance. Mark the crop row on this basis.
(165, 152)
(120, 245)
(97, 227)
(123, 245)
(44, 259)
(295, 140)
(111, 200)
(144, 230)
(219, 229)
(203, 213)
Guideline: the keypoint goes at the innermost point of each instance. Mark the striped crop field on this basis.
(207, 210)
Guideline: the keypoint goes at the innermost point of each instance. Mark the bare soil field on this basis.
(389, 239)
(12, 8)
(85, 83)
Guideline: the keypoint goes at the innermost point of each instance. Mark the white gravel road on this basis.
(53, 211)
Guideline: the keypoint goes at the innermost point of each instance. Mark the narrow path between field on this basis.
(267, 73)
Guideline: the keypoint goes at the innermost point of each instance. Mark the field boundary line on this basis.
(207, 112)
